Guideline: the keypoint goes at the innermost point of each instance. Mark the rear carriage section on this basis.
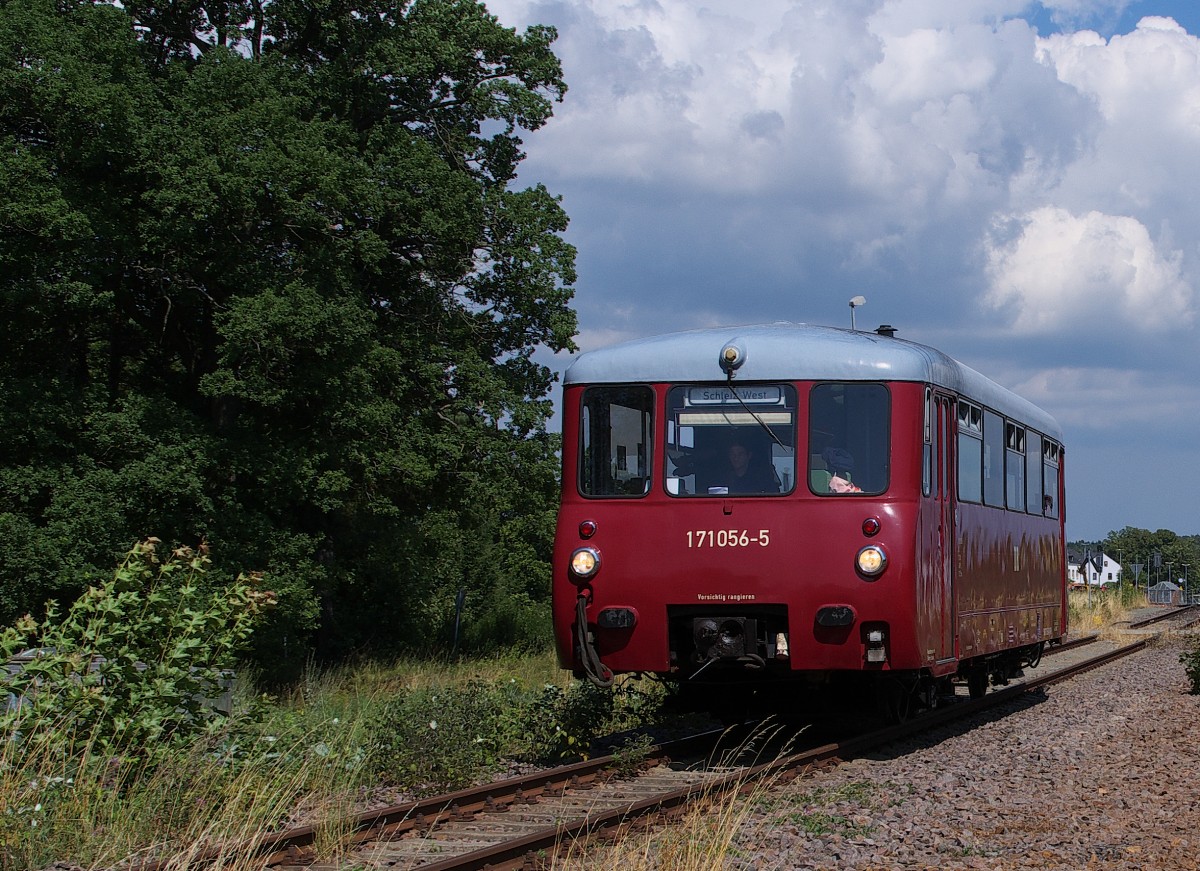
(761, 504)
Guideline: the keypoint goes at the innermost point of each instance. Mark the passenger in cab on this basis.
(840, 464)
(744, 474)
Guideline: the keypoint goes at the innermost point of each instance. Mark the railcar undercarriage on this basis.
(997, 669)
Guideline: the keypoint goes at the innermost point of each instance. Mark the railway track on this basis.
(502, 825)
(507, 823)
(1189, 613)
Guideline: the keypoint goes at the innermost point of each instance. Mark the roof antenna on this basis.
(855, 302)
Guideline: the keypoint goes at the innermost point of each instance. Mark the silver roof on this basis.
(792, 352)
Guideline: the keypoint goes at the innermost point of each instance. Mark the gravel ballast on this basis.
(1099, 772)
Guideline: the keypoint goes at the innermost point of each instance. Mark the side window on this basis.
(993, 459)
(970, 452)
(616, 435)
(1014, 466)
(849, 438)
(1051, 464)
(1033, 472)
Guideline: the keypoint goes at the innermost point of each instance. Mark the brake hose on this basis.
(598, 673)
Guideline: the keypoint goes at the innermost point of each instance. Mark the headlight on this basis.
(871, 560)
(585, 562)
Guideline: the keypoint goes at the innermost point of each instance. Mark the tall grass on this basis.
(93, 809)
(1106, 612)
(530, 669)
(306, 756)
(113, 754)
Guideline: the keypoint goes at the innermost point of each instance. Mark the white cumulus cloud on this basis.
(1091, 273)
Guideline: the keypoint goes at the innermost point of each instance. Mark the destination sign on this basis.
(761, 395)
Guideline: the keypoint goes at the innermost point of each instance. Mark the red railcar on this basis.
(766, 509)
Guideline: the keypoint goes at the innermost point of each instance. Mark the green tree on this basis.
(266, 279)
(1131, 545)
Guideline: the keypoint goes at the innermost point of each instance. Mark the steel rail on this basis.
(1183, 609)
(290, 846)
(1081, 641)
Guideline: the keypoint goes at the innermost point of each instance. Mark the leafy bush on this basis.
(637, 703)
(434, 739)
(1191, 666)
(131, 668)
(446, 737)
(562, 724)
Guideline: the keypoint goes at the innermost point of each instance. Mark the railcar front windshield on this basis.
(720, 443)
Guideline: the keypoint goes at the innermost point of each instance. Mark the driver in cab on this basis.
(743, 475)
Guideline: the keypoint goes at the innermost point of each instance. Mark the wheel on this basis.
(930, 693)
(977, 682)
(899, 700)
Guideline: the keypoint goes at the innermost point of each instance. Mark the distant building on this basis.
(1099, 571)
(1165, 593)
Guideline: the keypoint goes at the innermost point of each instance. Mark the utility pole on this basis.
(1087, 574)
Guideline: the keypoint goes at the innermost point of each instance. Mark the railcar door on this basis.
(946, 494)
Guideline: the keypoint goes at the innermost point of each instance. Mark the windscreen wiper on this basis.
(753, 413)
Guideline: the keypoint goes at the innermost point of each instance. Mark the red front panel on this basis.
(658, 555)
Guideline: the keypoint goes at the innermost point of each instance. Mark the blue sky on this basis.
(1014, 183)
(1108, 19)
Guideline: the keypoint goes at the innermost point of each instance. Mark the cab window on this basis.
(615, 439)
(848, 438)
